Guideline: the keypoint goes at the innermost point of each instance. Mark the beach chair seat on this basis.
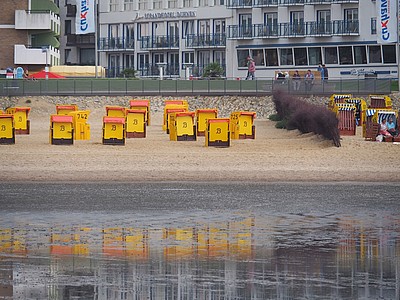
(372, 131)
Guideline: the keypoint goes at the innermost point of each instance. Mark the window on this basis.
(331, 55)
(345, 55)
(297, 22)
(87, 57)
(128, 5)
(286, 55)
(67, 53)
(360, 55)
(245, 23)
(188, 57)
(143, 64)
(351, 20)
(374, 53)
(242, 58)
(143, 5)
(221, 2)
(129, 61)
(157, 4)
(258, 56)
(187, 3)
(172, 3)
(219, 26)
(113, 5)
(67, 27)
(129, 35)
(300, 56)
(187, 28)
(389, 54)
(271, 20)
(203, 27)
(373, 25)
(203, 3)
(314, 55)
(142, 30)
(219, 57)
(271, 56)
(323, 22)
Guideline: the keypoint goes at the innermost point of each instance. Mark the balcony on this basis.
(316, 29)
(37, 20)
(116, 44)
(206, 40)
(35, 56)
(160, 42)
(80, 39)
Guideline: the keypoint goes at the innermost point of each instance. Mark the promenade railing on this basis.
(196, 86)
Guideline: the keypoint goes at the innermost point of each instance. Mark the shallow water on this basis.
(199, 241)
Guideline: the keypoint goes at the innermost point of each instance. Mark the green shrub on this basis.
(128, 73)
(213, 70)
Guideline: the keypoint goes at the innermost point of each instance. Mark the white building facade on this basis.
(188, 35)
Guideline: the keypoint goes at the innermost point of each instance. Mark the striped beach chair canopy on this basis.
(346, 106)
(385, 115)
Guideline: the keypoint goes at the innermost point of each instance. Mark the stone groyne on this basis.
(263, 105)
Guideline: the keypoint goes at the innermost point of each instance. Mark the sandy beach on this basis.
(275, 155)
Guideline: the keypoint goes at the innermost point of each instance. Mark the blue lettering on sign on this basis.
(83, 15)
(385, 18)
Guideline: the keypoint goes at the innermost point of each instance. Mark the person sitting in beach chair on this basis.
(384, 129)
(391, 127)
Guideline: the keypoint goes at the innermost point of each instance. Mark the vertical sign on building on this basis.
(85, 22)
(387, 21)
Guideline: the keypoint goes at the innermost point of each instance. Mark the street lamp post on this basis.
(46, 69)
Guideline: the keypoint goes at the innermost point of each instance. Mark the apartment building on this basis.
(76, 49)
(279, 34)
(182, 37)
(29, 31)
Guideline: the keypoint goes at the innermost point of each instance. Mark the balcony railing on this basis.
(267, 3)
(206, 40)
(160, 42)
(112, 44)
(330, 1)
(265, 31)
(153, 70)
(345, 27)
(338, 27)
(291, 2)
(80, 39)
(239, 3)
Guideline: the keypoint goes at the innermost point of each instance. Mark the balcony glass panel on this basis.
(206, 40)
(239, 3)
(265, 3)
(159, 41)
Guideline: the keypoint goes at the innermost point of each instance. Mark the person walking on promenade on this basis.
(251, 68)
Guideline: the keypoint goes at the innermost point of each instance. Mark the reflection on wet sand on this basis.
(248, 257)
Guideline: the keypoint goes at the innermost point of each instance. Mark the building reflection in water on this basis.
(246, 258)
